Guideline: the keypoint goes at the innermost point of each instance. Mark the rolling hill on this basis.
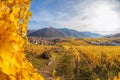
(64, 32)
(116, 35)
(74, 33)
(47, 32)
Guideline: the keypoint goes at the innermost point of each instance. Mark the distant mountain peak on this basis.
(48, 32)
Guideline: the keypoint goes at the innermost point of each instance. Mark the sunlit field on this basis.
(76, 59)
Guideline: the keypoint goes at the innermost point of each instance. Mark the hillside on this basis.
(30, 31)
(74, 33)
(47, 32)
(64, 32)
(116, 35)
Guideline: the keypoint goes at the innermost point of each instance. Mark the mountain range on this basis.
(63, 32)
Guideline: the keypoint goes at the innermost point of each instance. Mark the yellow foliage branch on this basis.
(14, 16)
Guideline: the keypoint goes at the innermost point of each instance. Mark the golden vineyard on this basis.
(71, 59)
(76, 59)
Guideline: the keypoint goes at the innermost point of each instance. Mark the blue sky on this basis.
(81, 15)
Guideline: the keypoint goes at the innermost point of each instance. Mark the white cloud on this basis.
(83, 15)
(97, 17)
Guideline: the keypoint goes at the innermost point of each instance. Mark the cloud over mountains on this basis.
(83, 15)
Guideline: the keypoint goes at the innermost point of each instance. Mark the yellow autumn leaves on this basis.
(14, 16)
